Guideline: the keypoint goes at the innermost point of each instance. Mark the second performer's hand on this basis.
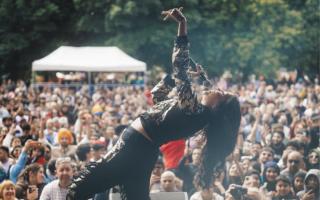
(175, 14)
(196, 73)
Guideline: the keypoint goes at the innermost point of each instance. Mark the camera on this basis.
(238, 191)
(30, 189)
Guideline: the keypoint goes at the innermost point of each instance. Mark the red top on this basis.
(173, 152)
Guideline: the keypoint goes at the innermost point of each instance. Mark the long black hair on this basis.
(221, 136)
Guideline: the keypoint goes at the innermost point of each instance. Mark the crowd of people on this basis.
(48, 135)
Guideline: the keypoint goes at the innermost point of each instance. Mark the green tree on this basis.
(29, 29)
(245, 35)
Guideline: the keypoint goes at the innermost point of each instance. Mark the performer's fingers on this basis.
(199, 68)
(169, 16)
(165, 18)
(192, 73)
(165, 12)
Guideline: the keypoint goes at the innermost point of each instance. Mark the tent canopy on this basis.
(89, 59)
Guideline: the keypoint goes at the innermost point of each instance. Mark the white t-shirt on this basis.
(197, 196)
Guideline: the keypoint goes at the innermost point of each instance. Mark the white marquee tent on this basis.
(89, 59)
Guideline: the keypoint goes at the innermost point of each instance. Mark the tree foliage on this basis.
(245, 35)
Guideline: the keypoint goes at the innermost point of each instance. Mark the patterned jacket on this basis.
(181, 116)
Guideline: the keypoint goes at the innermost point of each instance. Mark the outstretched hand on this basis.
(196, 73)
(175, 14)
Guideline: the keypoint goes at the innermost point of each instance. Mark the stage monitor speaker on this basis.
(158, 196)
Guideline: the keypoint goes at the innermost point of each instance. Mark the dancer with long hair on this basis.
(130, 162)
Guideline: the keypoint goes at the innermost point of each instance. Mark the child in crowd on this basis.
(283, 189)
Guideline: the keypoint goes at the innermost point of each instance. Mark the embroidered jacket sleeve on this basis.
(162, 89)
(187, 98)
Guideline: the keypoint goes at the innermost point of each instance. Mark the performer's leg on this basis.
(132, 157)
(136, 186)
(137, 189)
(99, 176)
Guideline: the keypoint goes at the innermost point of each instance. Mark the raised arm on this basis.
(162, 89)
(180, 62)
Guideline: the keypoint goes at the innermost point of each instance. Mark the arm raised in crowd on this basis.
(22, 160)
(252, 136)
(8, 138)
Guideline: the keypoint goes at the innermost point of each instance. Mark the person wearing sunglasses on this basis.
(313, 159)
(294, 165)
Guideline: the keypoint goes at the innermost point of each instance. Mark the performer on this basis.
(129, 164)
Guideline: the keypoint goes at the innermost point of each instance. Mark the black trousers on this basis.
(129, 164)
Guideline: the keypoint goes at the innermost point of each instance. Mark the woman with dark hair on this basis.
(15, 153)
(37, 155)
(270, 172)
(30, 182)
(234, 175)
(130, 162)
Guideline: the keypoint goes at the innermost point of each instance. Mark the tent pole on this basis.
(90, 84)
(33, 81)
(144, 79)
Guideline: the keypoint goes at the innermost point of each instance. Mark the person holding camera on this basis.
(238, 192)
(30, 182)
(22, 160)
(249, 190)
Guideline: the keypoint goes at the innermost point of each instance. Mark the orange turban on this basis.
(63, 132)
